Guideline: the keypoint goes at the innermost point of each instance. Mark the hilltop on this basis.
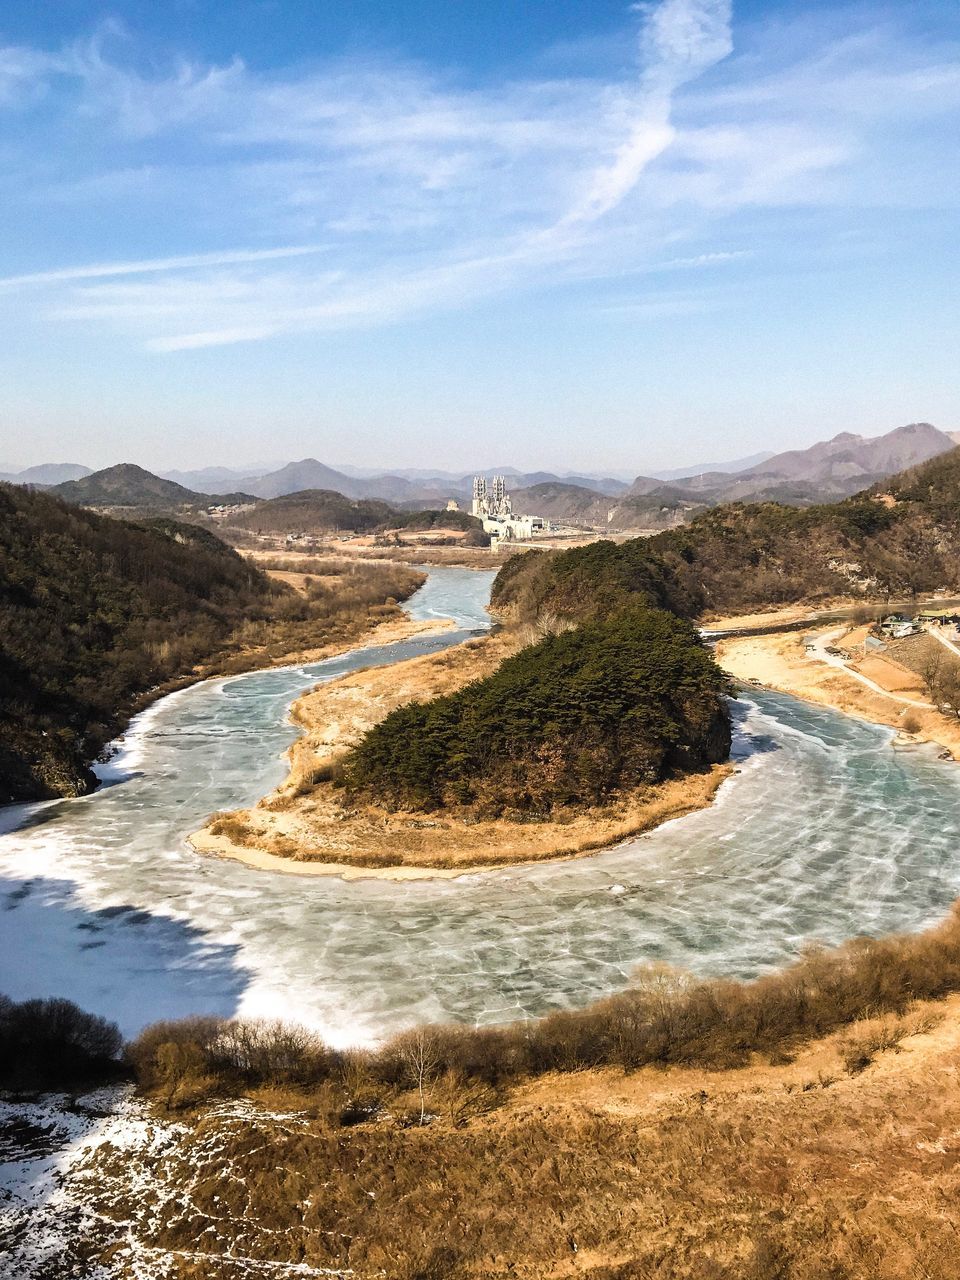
(127, 485)
(313, 511)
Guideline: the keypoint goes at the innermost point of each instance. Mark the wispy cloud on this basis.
(427, 194)
(100, 270)
(712, 259)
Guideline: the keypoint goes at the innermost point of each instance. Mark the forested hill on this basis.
(314, 511)
(93, 611)
(96, 611)
(900, 537)
(573, 720)
(321, 511)
(128, 486)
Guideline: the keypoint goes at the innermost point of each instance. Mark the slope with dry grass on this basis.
(802, 1127)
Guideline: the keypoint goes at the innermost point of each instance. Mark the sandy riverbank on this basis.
(303, 828)
(323, 840)
(781, 662)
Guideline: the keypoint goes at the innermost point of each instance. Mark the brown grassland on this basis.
(346, 600)
(805, 1126)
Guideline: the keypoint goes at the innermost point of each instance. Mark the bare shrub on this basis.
(173, 1059)
(50, 1043)
(270, 1052)
(185, 1061)
(457, 1098)
(872, 1036)
(230, 825)
(662, 1018)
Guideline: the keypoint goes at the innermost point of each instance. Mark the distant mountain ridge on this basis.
(848, 455)
(834, 468)
(215, 479)
(47, 473)
(430, 487)
(127, 485)
(829, 469)
(701, 468)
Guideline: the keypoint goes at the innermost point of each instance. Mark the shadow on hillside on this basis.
(748, 743)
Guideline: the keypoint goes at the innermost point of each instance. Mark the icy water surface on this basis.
(826, 832)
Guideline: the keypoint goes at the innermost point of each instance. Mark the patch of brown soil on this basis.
(890, 674)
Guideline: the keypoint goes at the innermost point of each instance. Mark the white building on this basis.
(494, 509)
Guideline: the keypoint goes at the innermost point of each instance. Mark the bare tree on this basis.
(941, 677)
(421, 1056)
(932, 674)
(949, 689)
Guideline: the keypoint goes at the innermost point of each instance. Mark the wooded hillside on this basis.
(94, 611)
(899, 538)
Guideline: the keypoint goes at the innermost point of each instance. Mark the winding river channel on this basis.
(825, 832)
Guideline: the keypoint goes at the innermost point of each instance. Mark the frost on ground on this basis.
(50, 1225)
(86, 1183)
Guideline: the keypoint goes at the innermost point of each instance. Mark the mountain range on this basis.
(828, 470)
(430, 489)
(832, 468)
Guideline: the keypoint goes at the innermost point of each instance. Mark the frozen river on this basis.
(825, 832)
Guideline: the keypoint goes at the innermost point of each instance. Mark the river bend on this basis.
(825, 832)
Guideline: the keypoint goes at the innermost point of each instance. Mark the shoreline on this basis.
(300, 829)
(386, 632)
(401, 626)
(677, 803)
(780, 662)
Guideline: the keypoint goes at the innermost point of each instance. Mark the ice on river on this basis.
(826, 832)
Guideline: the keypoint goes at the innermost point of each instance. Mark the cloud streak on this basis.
(101, 270)
(425, 195)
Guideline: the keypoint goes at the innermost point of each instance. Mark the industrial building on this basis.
(493, 508)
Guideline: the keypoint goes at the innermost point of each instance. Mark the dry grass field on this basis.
(835, 1157)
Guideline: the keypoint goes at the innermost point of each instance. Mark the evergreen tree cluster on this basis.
(571, 720)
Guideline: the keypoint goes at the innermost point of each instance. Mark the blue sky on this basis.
(568, 235)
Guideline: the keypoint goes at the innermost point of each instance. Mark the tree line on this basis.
(901, 537)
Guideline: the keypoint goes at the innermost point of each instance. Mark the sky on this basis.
(559, 234)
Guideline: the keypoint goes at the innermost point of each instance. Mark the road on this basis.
(817, 648)
(947, 644)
